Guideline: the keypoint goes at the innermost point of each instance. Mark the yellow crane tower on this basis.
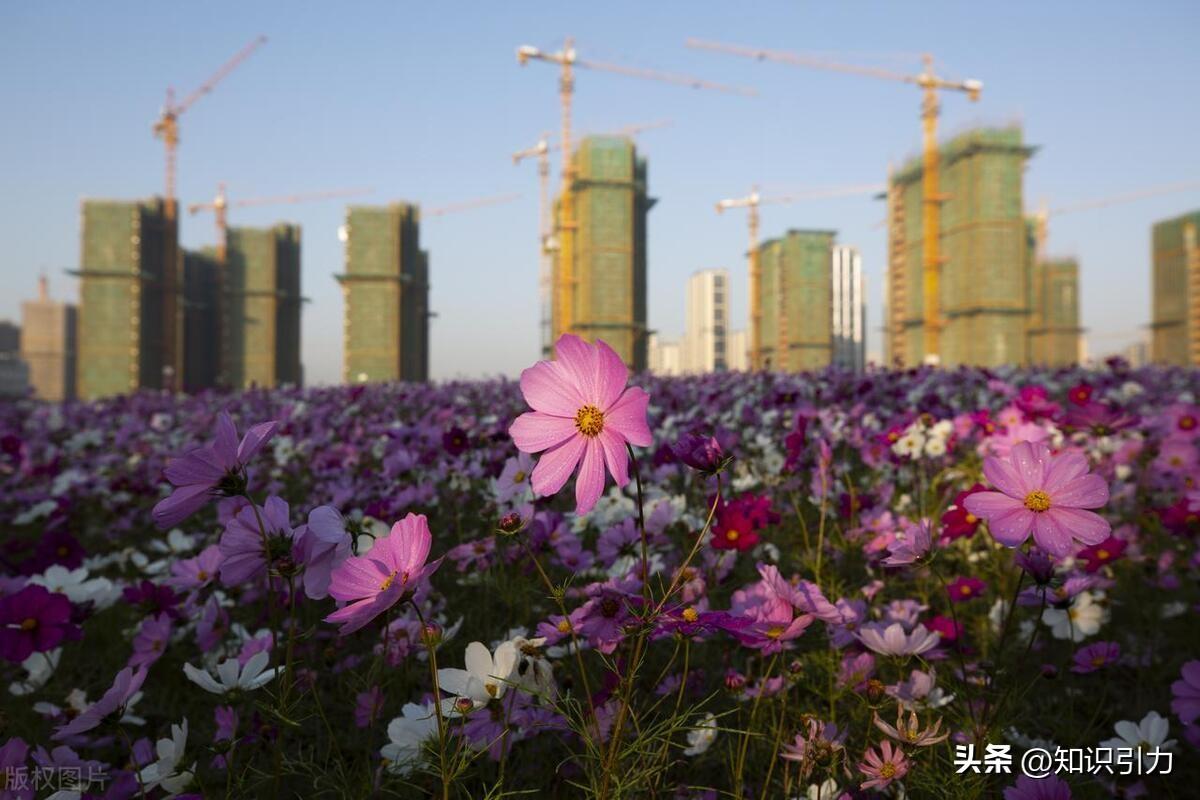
(751, 203)
(541, 151)
(567, 60)
(930, 84)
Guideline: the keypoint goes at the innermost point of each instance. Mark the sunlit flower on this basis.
(889, 764)
(486, 677)
(1083, 618)
(583, 416)
(1044, 495)
(375, 582)
(909, 731)
(893, 641)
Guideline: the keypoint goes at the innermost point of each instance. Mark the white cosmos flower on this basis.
(484, 678)
(253, 676)
(406, 735)
(701, 737)
(826, 791)
(165, 771)
(1083, 619)
(38, 668)
(1144, 736)
(74, 583)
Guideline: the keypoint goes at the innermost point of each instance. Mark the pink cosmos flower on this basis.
(374, 582)
(215, 469)
(965, 588)
(892, 765)
(127, 684)
(1044, 495)
(583, 416)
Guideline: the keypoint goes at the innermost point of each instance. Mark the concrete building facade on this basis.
(1055, 336)
(706, 321)
(48, 342)
(261, 325)
(797, 301)
(202, 310)
(848, 315)
(664, 357)
(386, 292)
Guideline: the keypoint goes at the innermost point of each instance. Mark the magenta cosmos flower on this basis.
(1044, 495)
(215, 469)
(125, 686)
(34, 620)
(583, 416)
(374, 582)
(889, 764)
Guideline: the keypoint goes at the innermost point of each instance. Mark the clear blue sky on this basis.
(425, 102)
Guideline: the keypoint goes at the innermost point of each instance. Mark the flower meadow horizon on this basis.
(780, 566)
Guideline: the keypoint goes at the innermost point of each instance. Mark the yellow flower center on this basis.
(491, 688)
(971, 518)
(29, 624)
(964, 590)
(1103, 555)
(732, 535)
(1098, 661)
(387, 582)
(1037, 500)
(202, 575)
(775, 631)
(519, 477)
(888, 770)
(690, 614)
(564, 626)
(589, 421)
(1187, 423)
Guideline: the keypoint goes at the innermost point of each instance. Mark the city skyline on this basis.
(1093, 137)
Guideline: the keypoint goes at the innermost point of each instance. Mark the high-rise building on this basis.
(48, 330)
(261, 326)
(796, 325)
(1055, 336)
(202, 310)
(14, 372)
(386, 291)
(1175, 324)
(126, 260)
(706, 321)
(737, 351)
(664, 357)
(849, 309)
(599, 280)
(983, 285)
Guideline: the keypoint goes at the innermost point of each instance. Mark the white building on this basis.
(706, 317)
(737, 351)
(849, 309)
(664, 358)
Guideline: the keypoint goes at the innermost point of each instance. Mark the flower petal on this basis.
(1089, 491)
(627, 417)
(1086, 526)
(535, 431)
(1050, 536)
(611, 374)
(615, 457)
(556, 465)
(549, 388)
(589, 484)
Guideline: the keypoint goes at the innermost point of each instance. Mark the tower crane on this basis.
(541, 151)
(468, 205)
(568, 60)
(167, 125)
(930, 84)
(751, 203)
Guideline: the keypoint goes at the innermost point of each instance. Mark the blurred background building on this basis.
(797, 312)
(48, 342)
(706, 320)
(262, 315)
(14, 372)
(386, 291)
(849, 309)
(1175, 321)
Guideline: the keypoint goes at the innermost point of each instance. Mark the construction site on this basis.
(967, 278)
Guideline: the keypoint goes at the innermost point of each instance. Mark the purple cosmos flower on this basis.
(893, 641)
(244, 553)
(1044, 495)
(688, 621)
(152, 598)
(389, 571)
(1050, 787)
(322, 545)
(1096, 656)
(189, 574)
(13, 755)
(151, 640)
(965, 588)
(34, 620)
(701, 453)
(127, 684)
(215, 469)
(910, 545)
(1186, 690)
(367, 706)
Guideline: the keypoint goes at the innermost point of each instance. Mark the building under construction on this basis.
(1175, 325)
(128, 265)
(261, 326)
(202, 311)
(386, 291)
(796, 324)
(599, 280)
(1054, 334)
(984, 277)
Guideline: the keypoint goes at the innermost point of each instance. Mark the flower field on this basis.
(590, 584)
